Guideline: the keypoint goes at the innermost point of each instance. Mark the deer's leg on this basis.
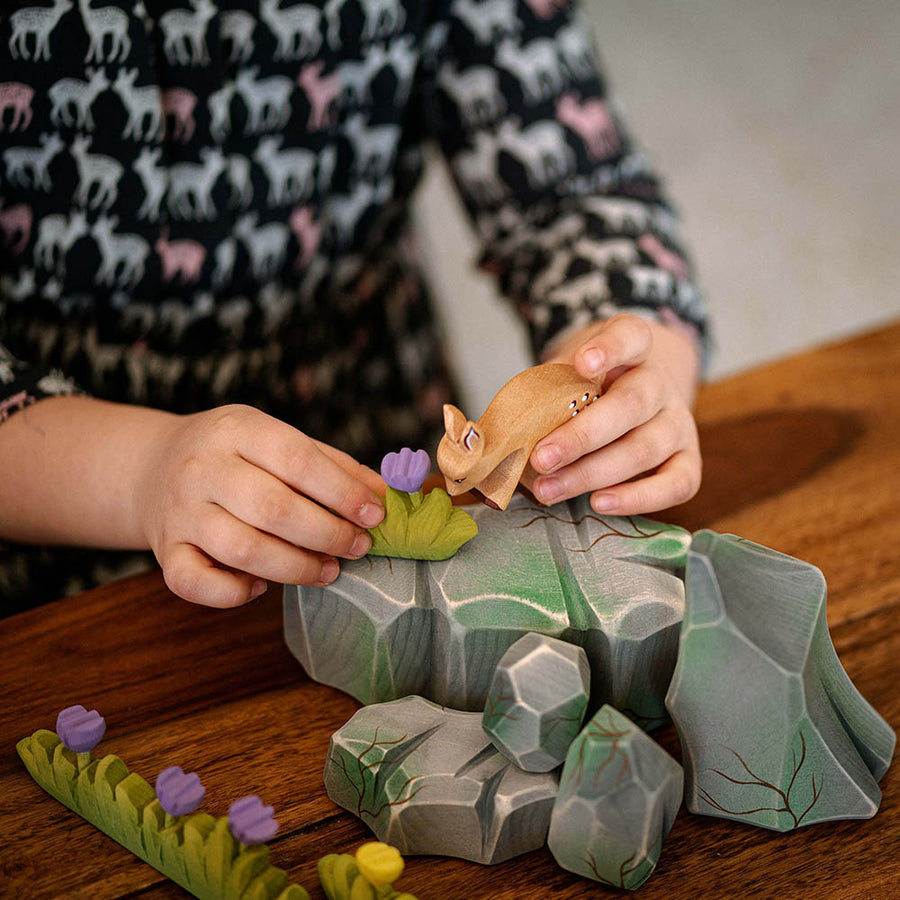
(500, 484)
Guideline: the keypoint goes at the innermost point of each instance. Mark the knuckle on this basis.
(684, 485)
(242, 552)
(183, 581)
(306, 569)
(278, 508)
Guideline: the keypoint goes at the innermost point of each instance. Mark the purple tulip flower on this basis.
(406, 470)
(250, 821)
(179, 793)
(79, 729)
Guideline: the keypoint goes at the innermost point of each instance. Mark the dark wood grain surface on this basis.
(802, 455)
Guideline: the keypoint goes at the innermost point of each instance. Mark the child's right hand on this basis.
(231, 497)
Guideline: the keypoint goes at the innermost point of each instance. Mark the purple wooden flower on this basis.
(79, 729)
(250, 821)
(179, 793)
(406, 470)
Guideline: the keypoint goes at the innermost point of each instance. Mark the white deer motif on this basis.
(182, 257)
(475, 91)
(403, 59)
(223, 256)
(56, 235)
(154, 178)
(239, 179)
(575, 51)
(237, 26)
(219, 103)
(332, 12)
(663, 257)
(296, 28)
(38, 21)
(477, 169)
(541, 148)
(535, 65)
(20, 289)
(345, 210)
(374, 146)
(122, 256)
(73, 92)
(191, 185)
(19, 160)
(321, 93)
(592, 122)
(291, 173)
(143, 104)
(383, 18)
(106, 20)
(356, 76)
(327, 162)
(266, 244)
(16, 96)
(590, 287)
(184, 33)
(96, 169)
(489, 19)
(268, 100)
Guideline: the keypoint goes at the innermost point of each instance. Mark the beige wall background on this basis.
(777, 128)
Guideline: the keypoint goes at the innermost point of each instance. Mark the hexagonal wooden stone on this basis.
(618, 795)
(773, 732)
(537, 701)
(428, 780)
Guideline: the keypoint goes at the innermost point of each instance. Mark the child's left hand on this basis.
(636, 448)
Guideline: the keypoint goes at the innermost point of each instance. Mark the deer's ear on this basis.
(454, 422)
(472, 436)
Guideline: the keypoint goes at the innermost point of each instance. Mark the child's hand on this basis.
(636, 448)
(233, 497)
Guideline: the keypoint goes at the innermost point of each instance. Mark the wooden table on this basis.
(802, 455)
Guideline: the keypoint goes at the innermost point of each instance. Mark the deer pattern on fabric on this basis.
(206, 201)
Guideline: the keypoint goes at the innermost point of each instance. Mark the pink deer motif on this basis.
(182, 257)
(663, 256)
(15, 225)
(16, 96)
(592, 122)
(179, 103)
(546, 9)
(322, 94)
(308, 233)
(492, 454)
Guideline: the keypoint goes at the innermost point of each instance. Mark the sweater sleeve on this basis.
(572, 217)
(21, 384)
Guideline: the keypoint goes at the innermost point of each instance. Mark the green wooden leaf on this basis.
(293, 892)
(65, 772)
(267, 885)
(173, 861)
(460, 527)
(195, 831)
(337, 873)
(246, 866)
(152, 824)
(110, 771)
(221, 849)
(132, 794)
(361, 889)
(85, 803)
(427, 522)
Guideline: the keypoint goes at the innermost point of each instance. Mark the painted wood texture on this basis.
(801, 455)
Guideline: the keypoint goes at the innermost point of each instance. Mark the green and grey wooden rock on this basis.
(428, 780)
(387, 628)
(537, 701)
(618, 796)
(773, 731)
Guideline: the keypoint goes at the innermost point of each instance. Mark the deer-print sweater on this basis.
(206, 201)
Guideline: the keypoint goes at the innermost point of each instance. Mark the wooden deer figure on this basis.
(492, 454)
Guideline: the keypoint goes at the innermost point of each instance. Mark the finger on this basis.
(638, 451)
(676, 481)
(631, 401)
(262, 501)
(193, 576)
(355, 469)
(299, 462)
(624, 340)
(239, 546)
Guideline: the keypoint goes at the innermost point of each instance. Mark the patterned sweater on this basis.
(206, 201)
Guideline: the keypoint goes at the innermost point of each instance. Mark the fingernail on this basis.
(259, 587)
(370, 514)
(361, 546)
(330, 571)
(593, 361)
(549, 489)
(548, 456)
(604, 502)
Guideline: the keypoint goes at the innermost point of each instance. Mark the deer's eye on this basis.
(458, 480)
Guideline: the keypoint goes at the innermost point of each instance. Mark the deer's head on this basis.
(459, 451)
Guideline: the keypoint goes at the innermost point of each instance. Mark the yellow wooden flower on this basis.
(380, 863)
